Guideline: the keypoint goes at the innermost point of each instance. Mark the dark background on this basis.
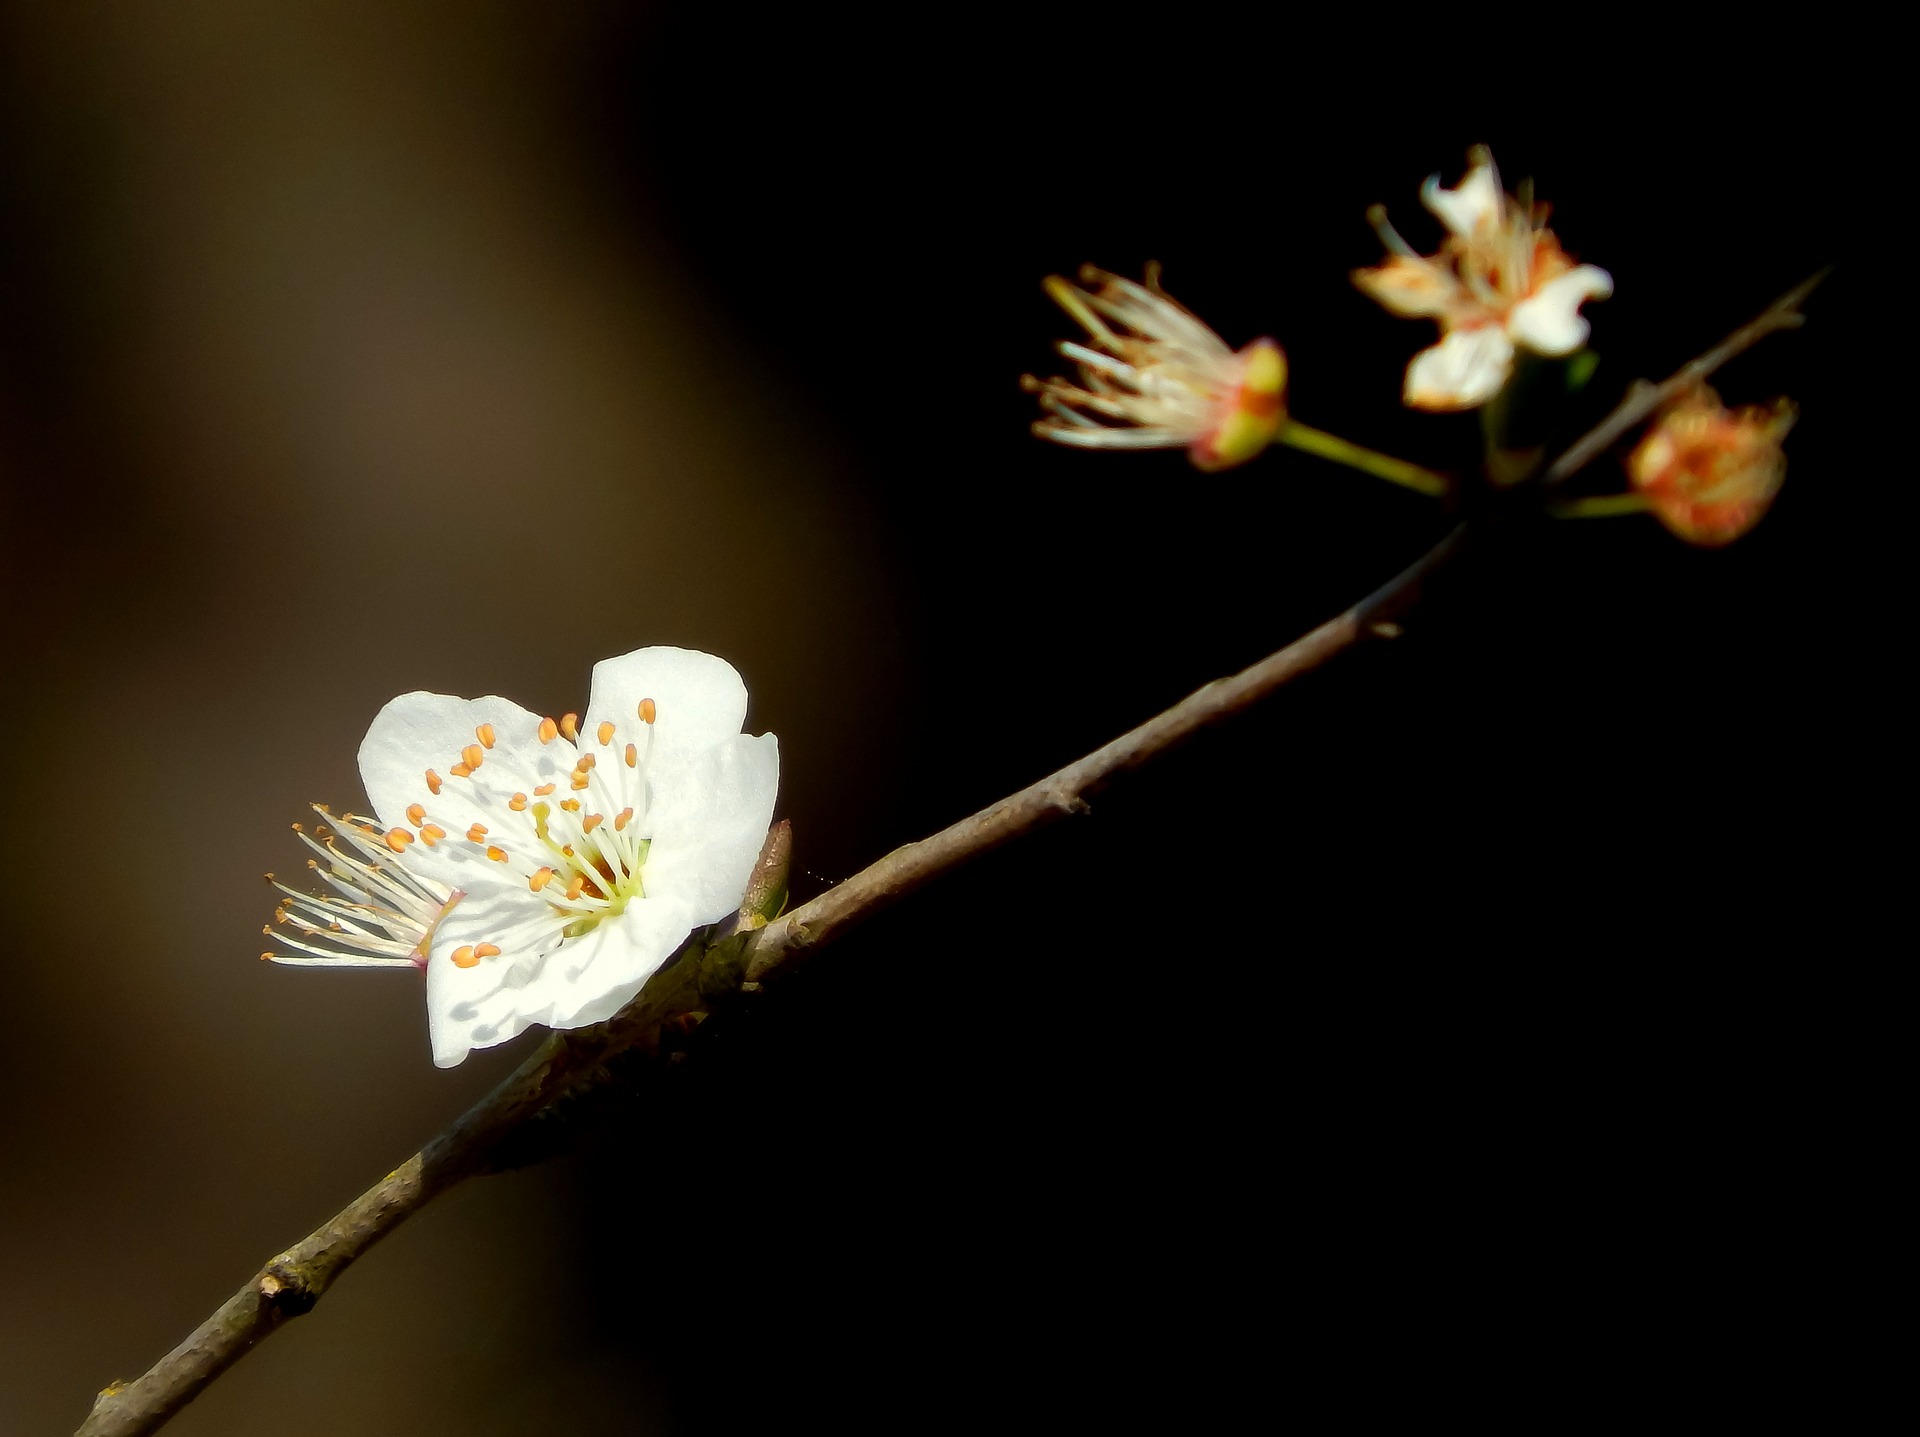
(1478, 1029)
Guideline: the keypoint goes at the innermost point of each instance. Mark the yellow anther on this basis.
(486, 950)
(633, 756)
(266, 957)
(485, 734)
(416, 814)
(578, 781)
(575, 885)
(433, 782)
(622, 819)
(570, 726)
(460, 770)
(541, 878)
(463, 956)
(591, 822)
(586, 762)
(432, 833)
(548, 730)
(543, 790)
(605, 731)
(648, 710)
(518, 803)
(498, 855)
(571, 805)
(472, 755)
(397, 839)
(476, 833)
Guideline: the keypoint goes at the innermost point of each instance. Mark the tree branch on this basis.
(1642, 399)
(709, 969)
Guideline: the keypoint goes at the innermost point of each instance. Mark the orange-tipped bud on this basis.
(1708, 472)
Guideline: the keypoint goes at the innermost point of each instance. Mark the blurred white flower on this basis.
(1500, 280)
(570, 858)
(1156, 377)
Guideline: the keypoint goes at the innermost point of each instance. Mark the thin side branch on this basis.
(781, 944)
(294, 1281)
(1643, 399)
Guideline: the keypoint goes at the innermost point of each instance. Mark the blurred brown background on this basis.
(355, 349)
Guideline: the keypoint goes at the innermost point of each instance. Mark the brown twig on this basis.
(1642, 399)
(294, 1281)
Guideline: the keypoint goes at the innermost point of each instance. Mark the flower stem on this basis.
(1599, 506)
(1367, 461)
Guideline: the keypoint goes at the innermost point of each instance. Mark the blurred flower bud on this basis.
(1708, 472)
(1155, 377)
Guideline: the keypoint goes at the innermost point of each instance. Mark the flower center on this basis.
(566, 815)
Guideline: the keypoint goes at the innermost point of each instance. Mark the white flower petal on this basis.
(498, 997)
(597, 974)
(1413, 288)
(421, 731)
(540, 979)
(699, 699)
(1477, 201)
(1462, 371)
(709, 821)
(1548, 321)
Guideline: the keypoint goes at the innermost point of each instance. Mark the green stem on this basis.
(1599, 506)
(1368, 461)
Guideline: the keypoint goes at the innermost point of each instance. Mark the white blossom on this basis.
(1500, 281)
(568, 858)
